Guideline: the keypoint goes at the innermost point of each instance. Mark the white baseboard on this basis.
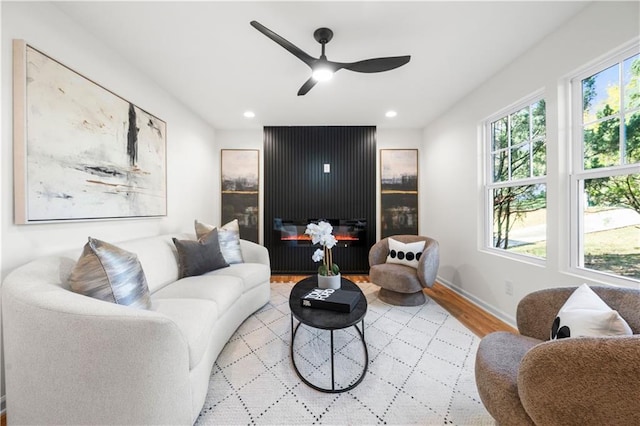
(480, 303)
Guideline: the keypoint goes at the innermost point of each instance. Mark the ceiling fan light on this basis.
(322, 74)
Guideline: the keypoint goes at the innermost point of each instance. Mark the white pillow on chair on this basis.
(585, 314)
(407, 254)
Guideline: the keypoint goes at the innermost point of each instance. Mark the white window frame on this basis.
(579, 174)
(490, 185)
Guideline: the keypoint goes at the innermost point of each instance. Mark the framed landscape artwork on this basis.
(80, 151)
(240, 171)
(399, 192)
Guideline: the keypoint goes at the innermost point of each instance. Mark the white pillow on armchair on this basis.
(407, 254)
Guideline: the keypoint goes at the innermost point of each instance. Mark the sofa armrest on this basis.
(71, 359)
(537, 310)
(578, 381)
(254, 253)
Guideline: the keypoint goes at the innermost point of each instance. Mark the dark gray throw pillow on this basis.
(108, 273)
(198, 257)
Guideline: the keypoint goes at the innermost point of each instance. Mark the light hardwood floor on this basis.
(474, 318)
(470, 315)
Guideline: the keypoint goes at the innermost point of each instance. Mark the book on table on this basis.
(331, 299)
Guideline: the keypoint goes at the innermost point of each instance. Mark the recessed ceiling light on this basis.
(391, 114)
(249, 114)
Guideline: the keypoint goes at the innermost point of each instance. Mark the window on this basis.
(606, 167)
(516, 190)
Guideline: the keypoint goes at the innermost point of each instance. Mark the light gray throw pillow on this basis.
(228, 237)
(109, 273)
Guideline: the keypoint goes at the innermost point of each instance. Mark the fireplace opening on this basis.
(348, 232)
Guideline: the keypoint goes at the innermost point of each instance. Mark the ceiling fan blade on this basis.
(307, 86)
(376, 64)
(292, 48)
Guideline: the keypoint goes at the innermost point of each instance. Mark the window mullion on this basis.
(623, 128)
(600, 120)
(579, 212)
(577, 137)
(608, 171)
(519, 182)
(530, 141)
(509, 128)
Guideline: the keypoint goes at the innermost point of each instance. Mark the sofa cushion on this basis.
(223, 290)
(109, 273)
(405, 253)
(250, 274)
(195, 319)
(198, 257)
(228, 236)
(585, 314)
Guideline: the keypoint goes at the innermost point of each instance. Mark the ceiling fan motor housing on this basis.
(323, 35)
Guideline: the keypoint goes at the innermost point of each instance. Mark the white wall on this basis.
(453, 169)
(191, 154)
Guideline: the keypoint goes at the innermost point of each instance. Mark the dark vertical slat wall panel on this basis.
(296, 188)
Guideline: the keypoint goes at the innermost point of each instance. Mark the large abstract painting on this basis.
(240, 189)
(399, 191)
(81, 152)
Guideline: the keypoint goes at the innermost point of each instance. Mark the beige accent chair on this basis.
(526, 379)
(402, 285)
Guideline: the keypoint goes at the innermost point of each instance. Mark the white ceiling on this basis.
(208, 56)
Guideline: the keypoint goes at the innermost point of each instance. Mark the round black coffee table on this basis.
(327, 320)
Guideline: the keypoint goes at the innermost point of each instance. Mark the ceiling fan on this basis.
(323, 69)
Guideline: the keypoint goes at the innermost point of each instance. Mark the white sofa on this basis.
(72, 359)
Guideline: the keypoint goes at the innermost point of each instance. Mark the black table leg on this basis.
(333, 381)
(333, 389)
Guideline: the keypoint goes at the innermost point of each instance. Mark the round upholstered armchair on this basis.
(528, 379)
(401, 283)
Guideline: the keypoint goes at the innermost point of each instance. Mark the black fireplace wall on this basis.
(297, 187)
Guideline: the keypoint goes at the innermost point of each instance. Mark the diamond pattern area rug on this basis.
(421, 370)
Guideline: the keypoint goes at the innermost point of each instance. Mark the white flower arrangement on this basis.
(321, 233)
